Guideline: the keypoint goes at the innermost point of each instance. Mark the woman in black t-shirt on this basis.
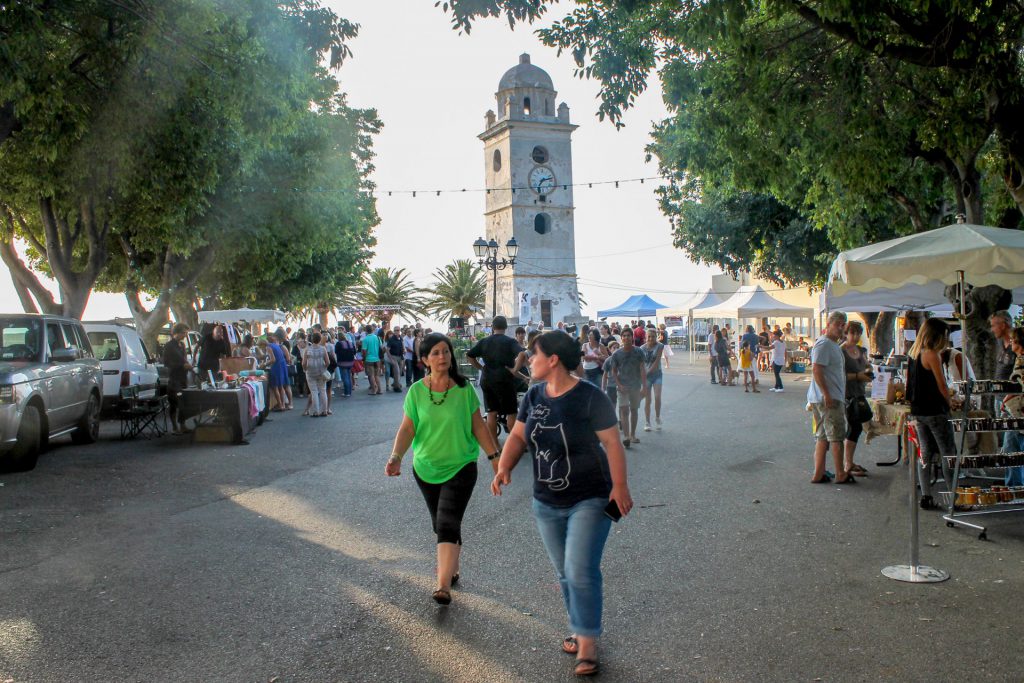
(579, 466)
(930, 405)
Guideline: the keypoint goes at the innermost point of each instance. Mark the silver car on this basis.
(50, 385)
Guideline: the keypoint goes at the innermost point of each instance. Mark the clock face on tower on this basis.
(542, 180)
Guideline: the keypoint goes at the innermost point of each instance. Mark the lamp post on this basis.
(487, 256)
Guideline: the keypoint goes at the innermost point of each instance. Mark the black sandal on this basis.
(570, 646)
(592, 667)
(849, 480)
(442, 596)
(825, 479)
(455, 578)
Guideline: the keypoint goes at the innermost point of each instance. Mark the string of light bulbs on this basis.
(437, 193)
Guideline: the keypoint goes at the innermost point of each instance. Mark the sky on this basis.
(431, 88)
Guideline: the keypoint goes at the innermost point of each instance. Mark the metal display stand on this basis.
(983, 501)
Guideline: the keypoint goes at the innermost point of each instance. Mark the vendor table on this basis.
(889, 418)
(230, 408)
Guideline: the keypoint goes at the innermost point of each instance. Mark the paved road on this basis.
(295, 559)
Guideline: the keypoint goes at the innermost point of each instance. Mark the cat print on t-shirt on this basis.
(552, 455)
(569, 464)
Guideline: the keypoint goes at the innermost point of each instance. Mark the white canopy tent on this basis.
(705, 297)
(242, 315)
(751, 301)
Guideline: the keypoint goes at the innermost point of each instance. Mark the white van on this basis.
(124, 358)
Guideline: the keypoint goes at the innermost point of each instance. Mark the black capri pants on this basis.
(853, 428)
(447, 502)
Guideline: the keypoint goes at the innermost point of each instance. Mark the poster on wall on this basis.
(524, 307)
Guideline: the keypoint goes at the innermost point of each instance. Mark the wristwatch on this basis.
(495, 454)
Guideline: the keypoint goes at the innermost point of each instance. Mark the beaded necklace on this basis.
(430, 391)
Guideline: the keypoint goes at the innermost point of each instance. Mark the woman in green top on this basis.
(442, 422)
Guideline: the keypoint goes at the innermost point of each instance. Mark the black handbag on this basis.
(858, 410)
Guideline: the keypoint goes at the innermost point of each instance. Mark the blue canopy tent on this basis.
(636, 306)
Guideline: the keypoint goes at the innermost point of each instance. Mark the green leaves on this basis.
(459, 290)
(865, 120)
(160, 115)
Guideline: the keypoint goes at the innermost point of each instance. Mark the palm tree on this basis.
(388, 286)
(459, 290)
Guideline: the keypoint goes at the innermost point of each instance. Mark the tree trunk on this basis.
(185, 311)
(58, 246)
(970, 192)
(26, 283)
(879, 331)
(982, 302)
(322, 311)
(148, 323)
(1008, 113)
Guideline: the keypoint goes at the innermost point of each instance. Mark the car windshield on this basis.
(105, 345)
(19, 340)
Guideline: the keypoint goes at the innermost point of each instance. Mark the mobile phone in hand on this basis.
(612, 511)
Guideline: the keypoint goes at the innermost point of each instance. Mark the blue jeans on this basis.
(346, 380)
(574, 538)
(1012, 443)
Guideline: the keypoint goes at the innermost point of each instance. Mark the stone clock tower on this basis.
(528, 168)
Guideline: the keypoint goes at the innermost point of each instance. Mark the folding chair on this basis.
(140, 416)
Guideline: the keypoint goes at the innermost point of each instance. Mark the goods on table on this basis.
(970, 496)
(998, 386)
(988, 424)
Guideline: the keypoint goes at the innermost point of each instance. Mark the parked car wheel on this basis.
(89, 427)
(25, 453)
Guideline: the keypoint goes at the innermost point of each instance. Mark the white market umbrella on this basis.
(985, 255)
(242, 315)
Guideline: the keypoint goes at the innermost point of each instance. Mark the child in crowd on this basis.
(747, 368)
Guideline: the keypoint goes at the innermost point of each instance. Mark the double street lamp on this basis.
(487, 256)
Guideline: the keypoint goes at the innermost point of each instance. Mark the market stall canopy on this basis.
(242, 315)
(751, 301)
(910, 297)
(987, 255)
(705, 297)
(636, 306)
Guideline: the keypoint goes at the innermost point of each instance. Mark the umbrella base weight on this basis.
(918, 574)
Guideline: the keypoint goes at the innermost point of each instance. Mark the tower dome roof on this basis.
(526, 75)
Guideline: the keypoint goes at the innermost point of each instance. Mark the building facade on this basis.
(528, 170)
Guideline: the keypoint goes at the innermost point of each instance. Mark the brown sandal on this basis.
(570, 646)
(590, 667)
(442, 596)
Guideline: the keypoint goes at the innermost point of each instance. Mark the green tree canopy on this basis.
(174, 149)
(459, 290)
(388, 287)
(867, 121)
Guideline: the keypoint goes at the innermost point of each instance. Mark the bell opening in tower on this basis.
(526, 106)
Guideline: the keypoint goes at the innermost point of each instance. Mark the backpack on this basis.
(345, 351)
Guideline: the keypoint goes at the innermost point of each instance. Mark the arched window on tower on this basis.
(542, 223)
(497, 160)
(547, 107)
(526, 106)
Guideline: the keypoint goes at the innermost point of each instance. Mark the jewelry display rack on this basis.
(973, 501)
